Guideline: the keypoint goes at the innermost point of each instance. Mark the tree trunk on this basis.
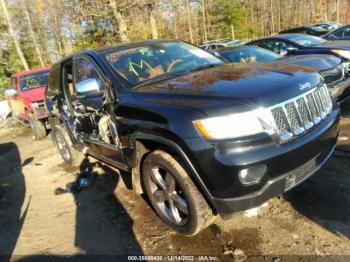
(56, 29)
(279, 15)
(272, 18)
(32, 33)
(13, 35)
(204, 22)
(338, 11)
(122, 25)
(152, 21)
(189, 20)
(232, 32)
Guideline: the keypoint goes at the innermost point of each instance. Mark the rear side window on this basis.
(346, 32)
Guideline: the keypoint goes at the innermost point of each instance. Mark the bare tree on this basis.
(189, 19)
(122, 24)
(204, 22)
(13, 35)
(32, 33)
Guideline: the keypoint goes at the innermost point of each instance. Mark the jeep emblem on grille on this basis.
(306, 85)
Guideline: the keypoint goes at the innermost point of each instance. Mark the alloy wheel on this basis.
(168, 196)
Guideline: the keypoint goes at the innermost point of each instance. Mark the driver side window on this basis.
(86, 77)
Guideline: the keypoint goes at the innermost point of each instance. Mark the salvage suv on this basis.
(26, 99)
(198, 136)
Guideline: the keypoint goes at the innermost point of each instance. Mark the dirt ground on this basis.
(38, 218)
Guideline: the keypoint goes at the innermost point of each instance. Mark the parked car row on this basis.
(199, 135)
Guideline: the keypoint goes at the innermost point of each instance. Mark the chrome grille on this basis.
(300, 173)
(293, 117)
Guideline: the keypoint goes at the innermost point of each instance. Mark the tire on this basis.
(38, 127)
(173, 195)
(66, 150)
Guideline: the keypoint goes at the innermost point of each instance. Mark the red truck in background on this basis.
(26, 99)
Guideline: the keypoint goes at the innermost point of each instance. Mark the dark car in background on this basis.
(300, 44)
(341, 33)
(220, 43)
(329, 66)
(329, 26)
(308, 29)
(198, 136)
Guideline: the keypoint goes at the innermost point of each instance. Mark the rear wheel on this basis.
(67, 152)
(38, 127)
(173, 195)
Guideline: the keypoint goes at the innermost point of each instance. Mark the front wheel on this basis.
(38, 127)
(173, 195)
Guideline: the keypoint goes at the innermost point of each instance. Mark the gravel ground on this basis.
(38, 216)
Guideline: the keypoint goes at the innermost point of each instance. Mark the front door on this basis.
(94, 124)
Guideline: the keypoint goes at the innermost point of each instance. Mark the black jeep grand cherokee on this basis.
(197, 136)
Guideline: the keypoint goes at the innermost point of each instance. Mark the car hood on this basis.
(318, 62)
(335, 44)
(34, 95)
(229, 86)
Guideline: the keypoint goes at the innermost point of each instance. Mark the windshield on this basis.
(307, 40)
(34, 80)
(153, 61)
(250, 55)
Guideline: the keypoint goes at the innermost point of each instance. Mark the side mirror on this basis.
(88, 87)
(291, 50)
(11, 92)
(283, 52)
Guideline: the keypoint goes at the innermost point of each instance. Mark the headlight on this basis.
(342, 53)
(236, 125)
(35, 105)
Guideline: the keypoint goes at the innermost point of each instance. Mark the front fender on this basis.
(140, 142)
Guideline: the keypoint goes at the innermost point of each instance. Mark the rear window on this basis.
(34, 80)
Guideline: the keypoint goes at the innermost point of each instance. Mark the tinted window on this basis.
(276, 45)
(250, 55)
(346, 32)
(84, 69)
(138, 64)
(34, 80)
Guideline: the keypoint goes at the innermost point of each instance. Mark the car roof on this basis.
(280, 36)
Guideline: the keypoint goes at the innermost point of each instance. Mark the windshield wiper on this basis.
(202, 67)
(156, 79)
(170, 75)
